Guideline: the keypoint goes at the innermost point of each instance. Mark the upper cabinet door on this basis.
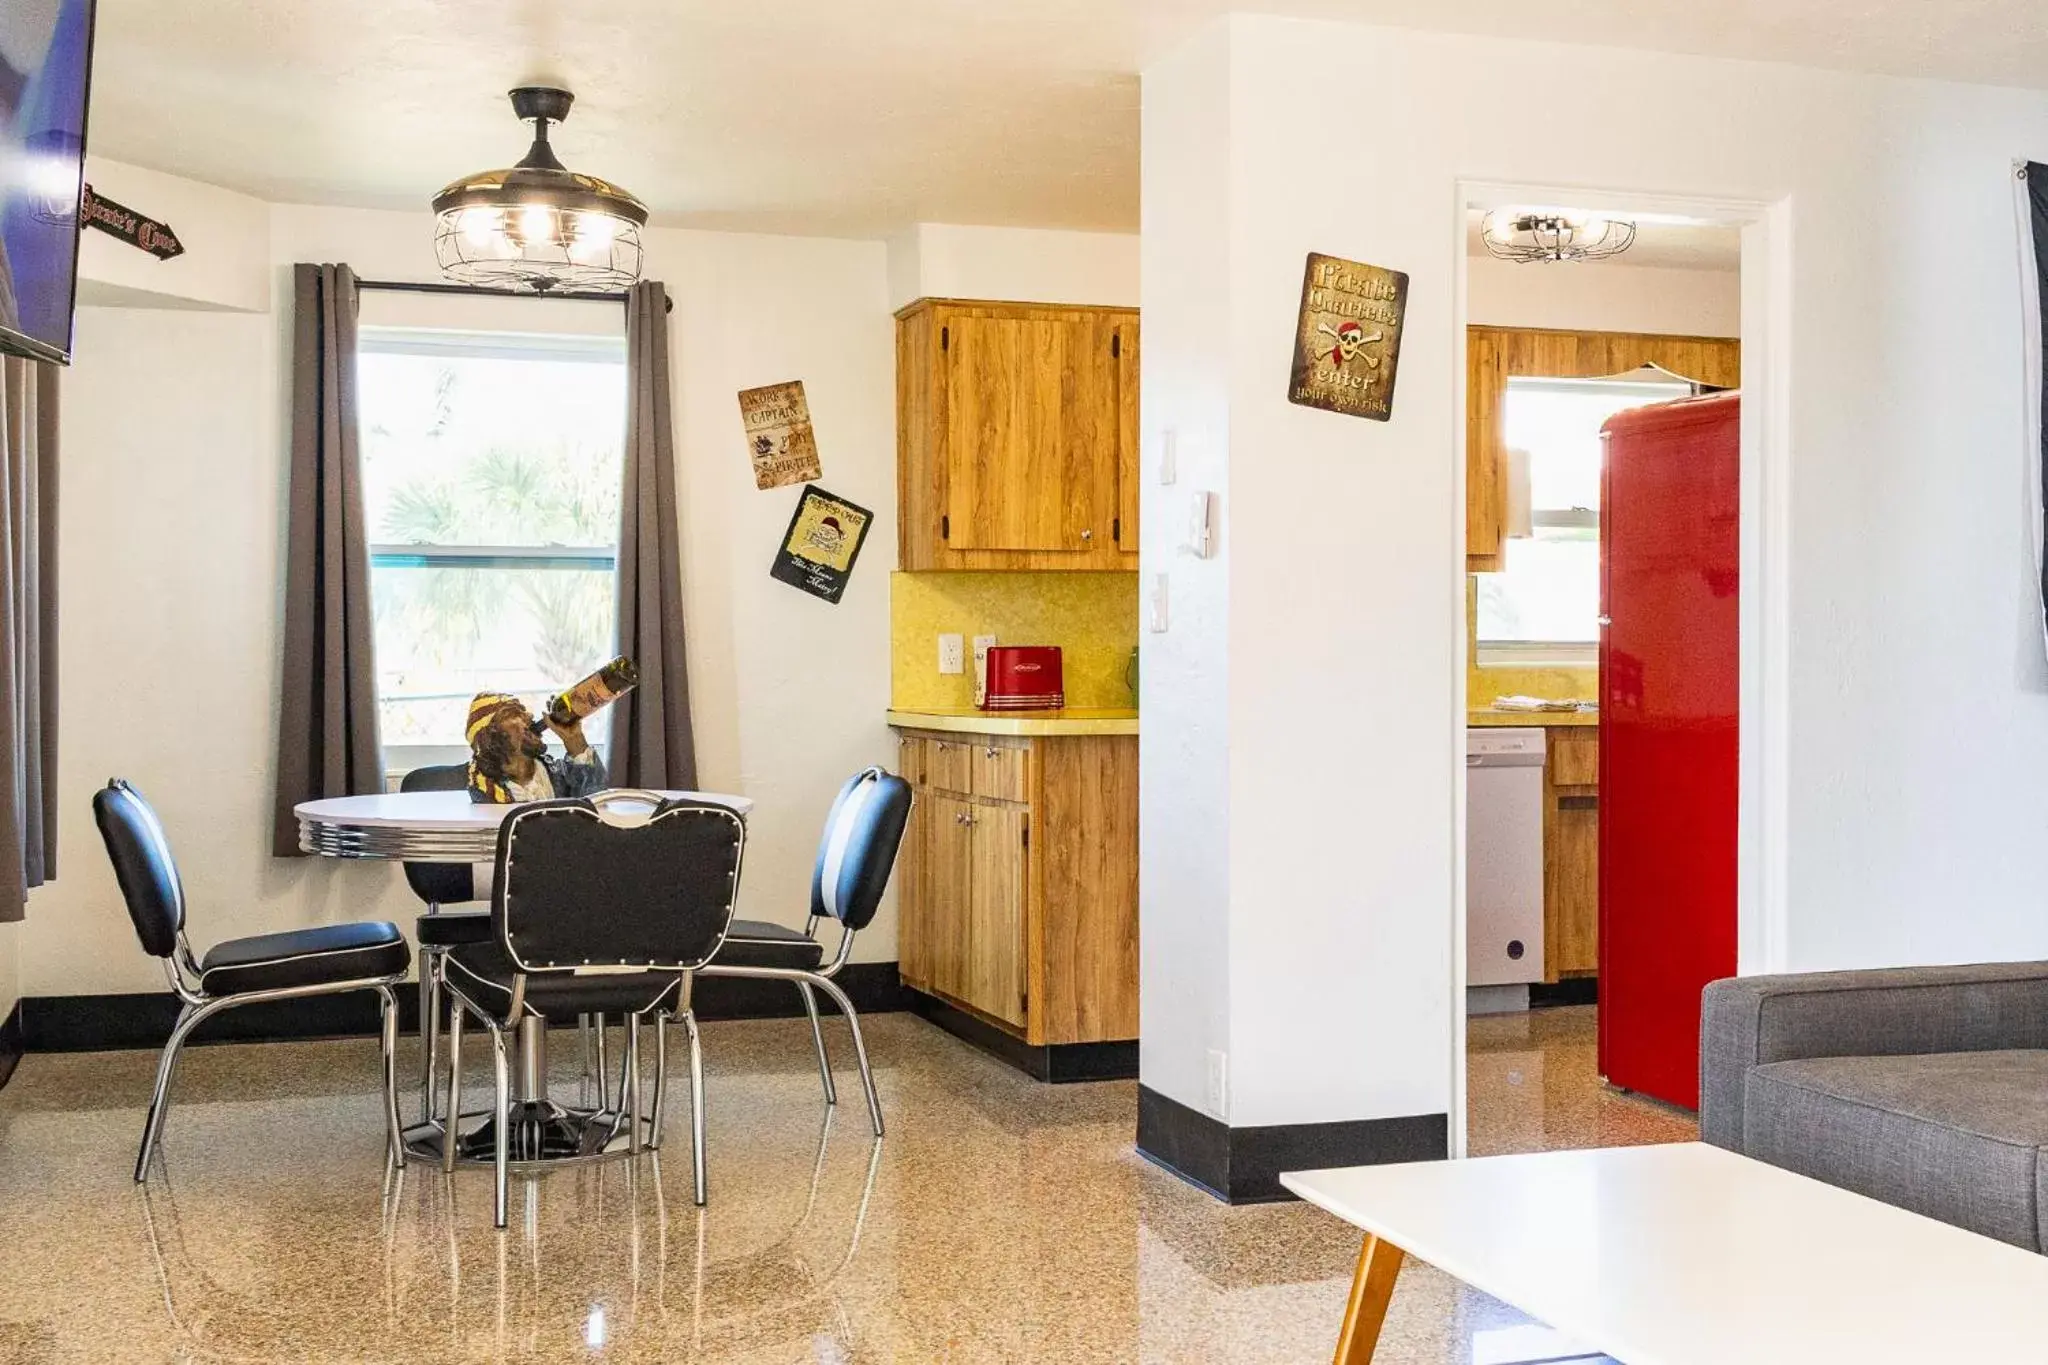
(1029, 417)
(1124, 346)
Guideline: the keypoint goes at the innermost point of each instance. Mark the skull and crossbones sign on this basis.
(1351, 341)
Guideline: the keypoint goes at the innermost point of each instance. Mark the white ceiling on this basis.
(841, 116)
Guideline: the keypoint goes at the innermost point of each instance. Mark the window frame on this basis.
(480, 343)
(1500, 653)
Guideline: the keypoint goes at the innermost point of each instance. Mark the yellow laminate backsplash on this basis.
(1552, 683)
(1092, 617)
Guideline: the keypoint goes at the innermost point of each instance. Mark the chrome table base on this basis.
(544, 1136)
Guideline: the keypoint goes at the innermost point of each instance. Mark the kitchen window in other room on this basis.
(491, 473)
(1546, 601)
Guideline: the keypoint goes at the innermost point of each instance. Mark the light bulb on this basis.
(478, 226)
(593, 239)
(536, 225)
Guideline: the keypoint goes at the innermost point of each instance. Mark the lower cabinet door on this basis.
(946, 896)
(995, 920)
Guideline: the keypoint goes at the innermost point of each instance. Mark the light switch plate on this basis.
(952, 654)
(1157, 611)
(1201, 512)
(1169, 441)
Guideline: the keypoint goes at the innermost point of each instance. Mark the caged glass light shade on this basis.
(1553, 235)
(538, 225)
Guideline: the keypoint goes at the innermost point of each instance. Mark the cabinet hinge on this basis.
(1116, 343)
(945, 338)
(1116, 529)
(1027, 834)
(945, 528)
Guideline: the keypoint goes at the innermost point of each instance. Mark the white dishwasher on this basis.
(1503, 856)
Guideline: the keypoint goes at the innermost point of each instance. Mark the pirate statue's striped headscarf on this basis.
(482, 709)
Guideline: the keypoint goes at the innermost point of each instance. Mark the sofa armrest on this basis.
(1750, 1021)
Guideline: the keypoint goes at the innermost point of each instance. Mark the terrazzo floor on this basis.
(1000, 1221)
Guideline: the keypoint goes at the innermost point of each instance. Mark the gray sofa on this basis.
(1926, 1087)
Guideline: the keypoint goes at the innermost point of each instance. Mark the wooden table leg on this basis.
(1371, 1289)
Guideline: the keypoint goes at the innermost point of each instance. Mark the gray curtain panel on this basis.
(327, 741)
(651, 743)
(28, 630)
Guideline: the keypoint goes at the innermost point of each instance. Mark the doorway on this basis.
(1557, 349)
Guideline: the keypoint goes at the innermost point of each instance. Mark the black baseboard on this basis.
(1243, 1165)
(11, 1043)
(1573, 990)
(100, 1023)
(1053, 1063)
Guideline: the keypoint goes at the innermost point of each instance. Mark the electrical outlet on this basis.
(1219, 1084)
(982, 645)
(952, 654)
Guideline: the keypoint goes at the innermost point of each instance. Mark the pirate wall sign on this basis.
(116, 220)
(1348, 339)
(779, 437)
(823, 541)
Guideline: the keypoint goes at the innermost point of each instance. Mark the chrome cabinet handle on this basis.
(1088, 535)
(991, 751)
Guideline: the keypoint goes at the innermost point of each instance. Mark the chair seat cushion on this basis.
(446, 929)
(304, 957)
(758, 943)
(483, 972)
(1957, 1136)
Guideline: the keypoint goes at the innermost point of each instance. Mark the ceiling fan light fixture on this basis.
(1526, 235)
(538, 226)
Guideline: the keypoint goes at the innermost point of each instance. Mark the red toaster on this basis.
(1025, 678)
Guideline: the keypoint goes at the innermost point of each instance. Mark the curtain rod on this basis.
(435, 287)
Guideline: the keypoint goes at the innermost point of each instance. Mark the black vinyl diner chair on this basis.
(602, 905)
(325, 960)
(855, 857)
(440, 885)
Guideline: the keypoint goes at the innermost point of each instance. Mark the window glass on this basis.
(491, 469)
(1549, 589)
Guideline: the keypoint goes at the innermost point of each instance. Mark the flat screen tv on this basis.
(45, 72)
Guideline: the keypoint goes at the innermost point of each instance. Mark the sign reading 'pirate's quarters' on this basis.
(821, 544)
(779, 437)
(1348, 340)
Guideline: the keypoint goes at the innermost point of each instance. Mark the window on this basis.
(491, 471)
(1545, 604)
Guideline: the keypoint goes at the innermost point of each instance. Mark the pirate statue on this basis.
(509, 760)
(508, 756)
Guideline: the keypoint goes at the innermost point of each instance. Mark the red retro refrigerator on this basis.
(1669, 547)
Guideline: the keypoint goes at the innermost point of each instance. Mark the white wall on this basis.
(172, 524)
(226, 236)
(1912, 829)
(1604, 297)
(1036, 265)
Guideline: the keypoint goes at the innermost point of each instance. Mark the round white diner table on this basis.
(448, 827)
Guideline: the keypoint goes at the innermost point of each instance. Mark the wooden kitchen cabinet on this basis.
(1019, 882)
(1571, 852)
(1016, 436)
(1496, 354)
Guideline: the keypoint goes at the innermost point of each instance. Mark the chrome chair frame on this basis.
(630, 1114)
(808, 983)
(197, 1007)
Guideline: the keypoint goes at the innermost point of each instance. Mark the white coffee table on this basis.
(1688, 1255)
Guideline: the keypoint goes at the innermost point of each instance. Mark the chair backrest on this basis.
(858, 851)
(439, 883)
(142, 865)
(581, 885)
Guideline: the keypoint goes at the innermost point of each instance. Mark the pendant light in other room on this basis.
(1554, 235)
(538, 226)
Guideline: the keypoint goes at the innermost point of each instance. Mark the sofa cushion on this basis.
(1954, 1135)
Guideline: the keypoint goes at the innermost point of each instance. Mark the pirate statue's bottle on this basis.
(595, 692)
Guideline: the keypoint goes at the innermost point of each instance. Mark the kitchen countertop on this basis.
(1487, 715)
(1072, 721)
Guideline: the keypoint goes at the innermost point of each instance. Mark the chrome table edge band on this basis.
(400, 842)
